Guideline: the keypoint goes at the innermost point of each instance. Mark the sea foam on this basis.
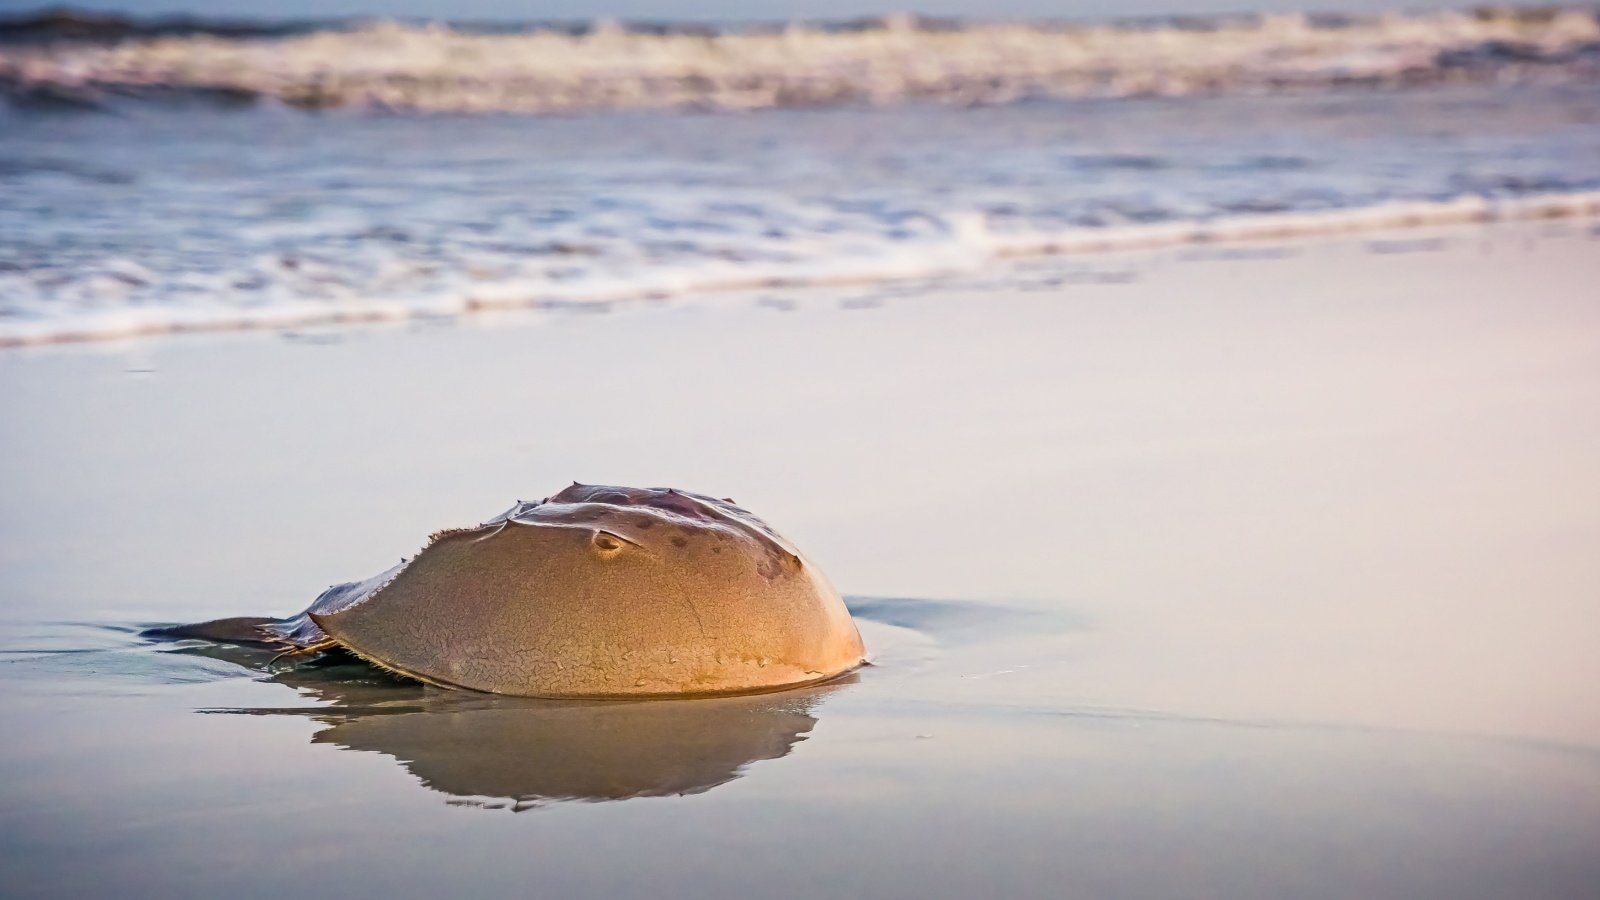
(966, 247)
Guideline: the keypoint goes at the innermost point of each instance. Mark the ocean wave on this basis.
(963, 245)
(402, 67)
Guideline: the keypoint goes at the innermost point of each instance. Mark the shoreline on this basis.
(1244, 556)
(974, 253)
(1178, 450)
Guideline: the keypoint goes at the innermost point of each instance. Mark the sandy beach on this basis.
(1257, 570)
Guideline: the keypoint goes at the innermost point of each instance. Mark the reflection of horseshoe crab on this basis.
(518, 753)
(508, 752)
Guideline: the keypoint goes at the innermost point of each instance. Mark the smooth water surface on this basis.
(1254, 574)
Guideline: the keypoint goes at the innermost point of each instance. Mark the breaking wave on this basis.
(401, 67)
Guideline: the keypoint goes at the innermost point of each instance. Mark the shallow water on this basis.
(1254, 573)
(873, 785)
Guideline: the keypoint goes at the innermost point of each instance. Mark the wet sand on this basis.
(1253, 571)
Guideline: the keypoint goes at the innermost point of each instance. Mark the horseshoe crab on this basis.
(592, 592)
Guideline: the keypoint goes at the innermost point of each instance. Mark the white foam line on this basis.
(1382, 217)
(971, 249)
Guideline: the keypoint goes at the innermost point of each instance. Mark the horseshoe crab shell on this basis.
(593, 592)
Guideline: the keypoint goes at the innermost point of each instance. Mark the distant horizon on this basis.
(733, 11)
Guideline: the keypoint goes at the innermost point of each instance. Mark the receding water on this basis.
(156, 219)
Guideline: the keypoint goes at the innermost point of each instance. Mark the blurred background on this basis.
(717, 10)
(206, 168)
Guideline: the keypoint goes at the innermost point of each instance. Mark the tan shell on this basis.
(597, 592)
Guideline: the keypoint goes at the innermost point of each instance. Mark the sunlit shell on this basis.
(595, 592)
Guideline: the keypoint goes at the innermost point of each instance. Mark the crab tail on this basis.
(243, 630)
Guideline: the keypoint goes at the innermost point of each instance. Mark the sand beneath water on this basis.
(1259, 571)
